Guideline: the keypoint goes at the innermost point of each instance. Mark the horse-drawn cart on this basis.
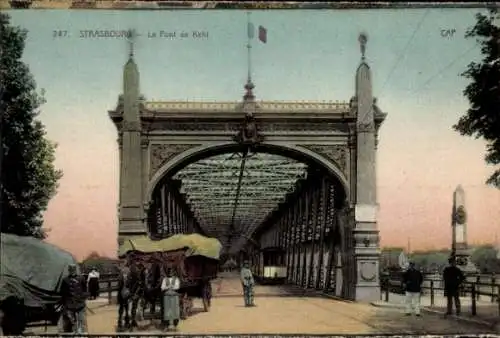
(193, 257)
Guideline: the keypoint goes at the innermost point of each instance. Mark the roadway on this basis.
(284, 310)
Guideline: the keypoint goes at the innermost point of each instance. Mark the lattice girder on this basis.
(210, 188)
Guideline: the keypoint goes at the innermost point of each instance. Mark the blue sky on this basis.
(309, 55)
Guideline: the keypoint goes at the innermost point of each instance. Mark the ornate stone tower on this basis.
(131, 211)
(366, 231)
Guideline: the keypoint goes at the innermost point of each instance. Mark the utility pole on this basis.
(1, 150)
(2, 108)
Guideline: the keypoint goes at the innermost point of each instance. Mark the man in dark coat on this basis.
(453, 278)
(412, 280)
(73, 298)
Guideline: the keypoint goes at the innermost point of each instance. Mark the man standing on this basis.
(248, 283)
(171, 304)
(453, 278)
(73, 297)
(412, 280)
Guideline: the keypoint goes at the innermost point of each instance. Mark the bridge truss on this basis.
(231, 194)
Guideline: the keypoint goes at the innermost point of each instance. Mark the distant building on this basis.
(390, 259)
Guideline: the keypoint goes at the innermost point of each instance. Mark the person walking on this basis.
(73, 298)
(412, 280)
(453, 278)
(93, 283)
(171, 304)
(248, 283)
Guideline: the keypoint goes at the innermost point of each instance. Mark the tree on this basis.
(483, 117)
(101, 263)
(28, 178)
(485, 258)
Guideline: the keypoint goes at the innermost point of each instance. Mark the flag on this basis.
(251, 30)
(262, 34)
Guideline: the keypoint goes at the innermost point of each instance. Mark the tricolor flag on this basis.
(262, 34)
(251, 30)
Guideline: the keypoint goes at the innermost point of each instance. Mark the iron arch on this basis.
(181, 160)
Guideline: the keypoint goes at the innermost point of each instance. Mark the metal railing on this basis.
(108, 283)
(474, 287)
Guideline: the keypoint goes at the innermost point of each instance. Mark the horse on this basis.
(130, 291)
(151, 292)
(124, 297)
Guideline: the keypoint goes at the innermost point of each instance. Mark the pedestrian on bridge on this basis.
(73, 299)
(412, 280)
(453, 278)
(171, 303)
(93, 283)
(248, 283)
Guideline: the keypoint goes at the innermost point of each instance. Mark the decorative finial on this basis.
(249, 86)
(363, 39)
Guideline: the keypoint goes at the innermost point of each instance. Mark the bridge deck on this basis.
(284, 310)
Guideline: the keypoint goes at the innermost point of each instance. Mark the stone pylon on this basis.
(131, 210)
(366, 234)
(459, 244)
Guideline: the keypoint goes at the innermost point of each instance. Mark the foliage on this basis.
(102, 264)
(483, 92)
(432, 261)
(485, 258)
(29, 178)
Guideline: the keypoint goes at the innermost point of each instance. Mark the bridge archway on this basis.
(157, 139)
(196, 153)
(315, 198)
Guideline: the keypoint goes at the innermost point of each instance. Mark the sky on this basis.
(309, 55)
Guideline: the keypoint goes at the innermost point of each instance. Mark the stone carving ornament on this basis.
(336, 153)
(460, 215)
(232, 126)
(161, 153)
(368, 271)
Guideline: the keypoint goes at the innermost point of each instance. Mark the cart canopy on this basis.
(32, 269)
(194, 244)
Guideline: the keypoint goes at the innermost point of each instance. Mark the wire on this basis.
(447, 67)
(406, 48)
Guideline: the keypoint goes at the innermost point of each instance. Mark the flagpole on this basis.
(249, 47)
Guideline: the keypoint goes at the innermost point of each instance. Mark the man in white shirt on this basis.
(171, 305)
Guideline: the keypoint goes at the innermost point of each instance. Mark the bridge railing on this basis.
(477, 287)
(108, 283)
